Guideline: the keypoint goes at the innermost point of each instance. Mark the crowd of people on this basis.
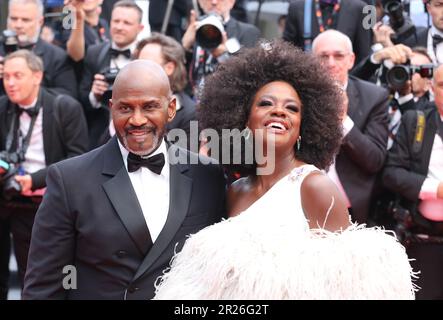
(349, 118)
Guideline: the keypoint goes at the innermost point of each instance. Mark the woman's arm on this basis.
(319, 195)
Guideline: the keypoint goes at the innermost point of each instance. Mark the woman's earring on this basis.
(246, 133)
(298, 143)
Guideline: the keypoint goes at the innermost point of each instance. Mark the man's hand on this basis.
(99, 86)
(25, 182)
(188, 39)
(398, 54)
(221, 48)
(382, 34)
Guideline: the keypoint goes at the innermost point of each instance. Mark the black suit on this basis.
(404, 173)
(363, 150)
(157, 11)
(97, 60)
(349, 22)
(98, 226)
(63, 137)
(58, 68)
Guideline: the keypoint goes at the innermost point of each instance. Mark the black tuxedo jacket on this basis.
(59, 73)
(349, 22)
(363, 150)
(97, 60)
(406, 170)
(90, 218)
(247, 34)
(62, 138)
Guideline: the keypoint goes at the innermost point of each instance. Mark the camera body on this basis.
(9, 41)
(209, 34)
(8, 169)
(110, 74)
(398, 75)
(398, 20)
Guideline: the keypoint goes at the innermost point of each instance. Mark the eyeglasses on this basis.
(337, 56)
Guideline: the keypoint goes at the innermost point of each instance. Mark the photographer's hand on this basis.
(382, 34)
(25, 182)
(398, 54)
(221, 49)
(188, 39)
(99, 86)
(406, 89)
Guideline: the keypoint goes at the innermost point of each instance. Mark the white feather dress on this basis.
(268, 252)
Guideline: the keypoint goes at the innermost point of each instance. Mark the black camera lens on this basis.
(11, 188)
(397, 76)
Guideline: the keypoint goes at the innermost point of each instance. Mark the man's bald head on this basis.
(141, 106)
(141, 74)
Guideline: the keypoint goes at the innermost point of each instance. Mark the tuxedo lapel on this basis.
(121, 193)
(180, 187)
(354, 101)
(47, 123)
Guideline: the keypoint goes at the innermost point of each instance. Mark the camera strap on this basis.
(419, 132)
(14, 132)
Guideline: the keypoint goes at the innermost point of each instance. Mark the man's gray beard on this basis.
(155, 144)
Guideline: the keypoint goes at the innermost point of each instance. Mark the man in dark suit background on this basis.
(414, 172)
(345, 16)
(168, 53)
(108, 58)
(120, 226)
(203, 61)
(365, 125)
(26, 19)
(43, 129)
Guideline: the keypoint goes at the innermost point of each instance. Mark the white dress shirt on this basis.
(35, 154)
(152, 191)
(431, 207)
(437, 57)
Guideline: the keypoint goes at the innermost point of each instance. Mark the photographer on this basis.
(414, 171)
(37, 128)
(231, 35)
(101, 65)
(25, 19)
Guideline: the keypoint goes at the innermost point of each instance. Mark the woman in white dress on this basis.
(288, 235)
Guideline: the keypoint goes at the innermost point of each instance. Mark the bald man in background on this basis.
(119, 227)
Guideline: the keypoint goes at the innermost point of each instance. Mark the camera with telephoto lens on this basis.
(210, 30)
(9, 164)
(110, 74)
(398, 20)
(9, 41)
(398, 75)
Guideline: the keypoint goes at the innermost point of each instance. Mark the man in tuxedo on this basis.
(25, 17)
(343, 15)
(365, 124)
(120, 227)
(203, 61)
(414, 171)
(40, 128)
(108, 58)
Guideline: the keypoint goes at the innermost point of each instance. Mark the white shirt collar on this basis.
(435, 31)
(131, 46)
(30, 105)
(160, 149)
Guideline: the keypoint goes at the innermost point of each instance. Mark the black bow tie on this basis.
(30, 111)
(436, 40)
(115, 53)
(154, 163)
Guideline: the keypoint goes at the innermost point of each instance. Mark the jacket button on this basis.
(132, 289)
(121, 254)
